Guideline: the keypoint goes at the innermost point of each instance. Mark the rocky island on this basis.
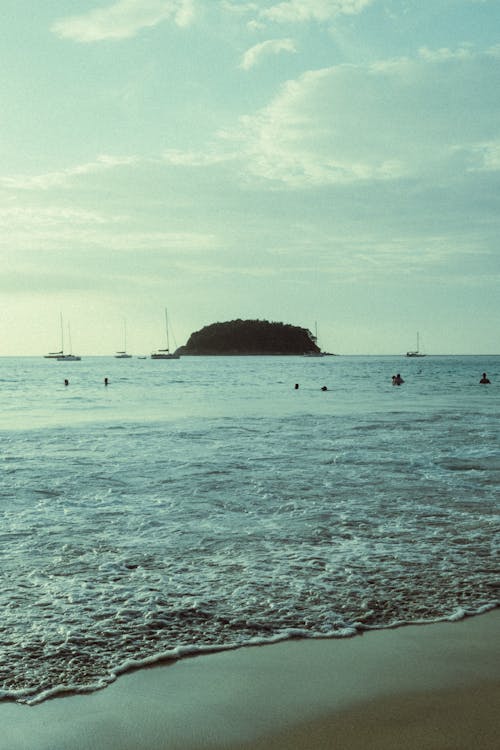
(240, 337)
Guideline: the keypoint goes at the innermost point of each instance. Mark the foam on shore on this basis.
(427, 686)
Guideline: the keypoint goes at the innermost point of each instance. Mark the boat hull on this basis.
(165, 356)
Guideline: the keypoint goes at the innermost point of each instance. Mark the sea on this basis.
(208, 503)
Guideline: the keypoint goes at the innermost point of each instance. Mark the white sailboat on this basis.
(415, 352)
(123, 353)
(68, 357)
(165, 353)
(60, 356)
(319, 353)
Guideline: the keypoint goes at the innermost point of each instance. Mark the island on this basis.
(247, 337)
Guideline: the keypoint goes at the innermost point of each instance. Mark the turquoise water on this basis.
(205, 502)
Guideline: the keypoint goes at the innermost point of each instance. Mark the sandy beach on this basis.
(429, 687)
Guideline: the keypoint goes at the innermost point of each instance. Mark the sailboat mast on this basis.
(166, 328)
(62, 332)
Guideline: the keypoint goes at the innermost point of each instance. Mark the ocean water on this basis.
(206, 503)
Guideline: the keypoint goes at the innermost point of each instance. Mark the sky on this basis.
(329, 163)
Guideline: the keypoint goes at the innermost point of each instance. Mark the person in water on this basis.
(66, 381)
(397, 379)
(324, 388)
(296, 386)
(485, 380)
(106, 381)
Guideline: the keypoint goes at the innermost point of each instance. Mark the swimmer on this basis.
(484, 380)
(66, 381)
(296, 386)
(106, 381)
(397, 380)
(324, 388)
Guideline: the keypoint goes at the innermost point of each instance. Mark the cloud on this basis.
(238, 8)
(434, 116)
(483, 157)
(57, 228)
(270, 47)
(316, 132)
(64, 177)
(296, 11)
(443, 53)
(178, 158)
(123, 20)
(51, 216)
(393, 119)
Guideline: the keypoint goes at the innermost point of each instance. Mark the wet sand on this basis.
(428, 687)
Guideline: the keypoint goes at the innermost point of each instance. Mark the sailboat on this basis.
(415, 352)
(123, 354)
(68, 357)
(165, 353)
(315, 338)
(60, 356)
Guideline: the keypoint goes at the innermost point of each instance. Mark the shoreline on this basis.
(429, 686)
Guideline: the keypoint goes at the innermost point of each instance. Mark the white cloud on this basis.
(444, 53)
(315, 133)
(178, 158)
(256, 25)
(59, 227)
(270, 47)
(64, 177)
(15, 217)
(384, 121)
(293, 11)
(435, 116)
(483, 157)
(238, 8)
(123, 19)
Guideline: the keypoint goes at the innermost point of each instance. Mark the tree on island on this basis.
(251, 337)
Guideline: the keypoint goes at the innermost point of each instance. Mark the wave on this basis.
(33, 696)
